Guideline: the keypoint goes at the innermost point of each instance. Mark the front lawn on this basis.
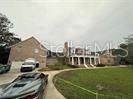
(109, 83)
(54, 67)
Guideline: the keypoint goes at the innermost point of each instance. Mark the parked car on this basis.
(4, 68)
(33, 60)
(28, 65)
(25, 86)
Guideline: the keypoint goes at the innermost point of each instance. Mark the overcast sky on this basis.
(57, 21)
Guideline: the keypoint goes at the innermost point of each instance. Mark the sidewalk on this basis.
(51, 92)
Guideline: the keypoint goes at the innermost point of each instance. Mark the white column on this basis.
(69, 59)
(95, 61)
(90, 61)
(84, 61)
(78, 60)
(99, 61)
(72, 60)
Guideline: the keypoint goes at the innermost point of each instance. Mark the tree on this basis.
(129, 58)
(6, 38)
(129, 47)
(129, 39)
(129, 42)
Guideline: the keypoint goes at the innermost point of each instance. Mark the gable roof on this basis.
(27, 40)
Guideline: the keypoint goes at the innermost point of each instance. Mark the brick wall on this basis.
(29, 48)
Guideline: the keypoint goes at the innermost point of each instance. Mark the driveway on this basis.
(50, 92)
(10, 76)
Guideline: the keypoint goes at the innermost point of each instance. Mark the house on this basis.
(83, 57)
(80, 56)
(29, 48)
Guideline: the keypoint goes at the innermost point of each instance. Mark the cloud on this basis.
(78, 20)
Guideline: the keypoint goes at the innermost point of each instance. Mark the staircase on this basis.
(85, 66)
(92, 65)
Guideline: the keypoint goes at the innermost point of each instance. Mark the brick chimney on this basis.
(66, 48)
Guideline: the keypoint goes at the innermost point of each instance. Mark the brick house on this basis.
(84, 57)
(29, 48)
(80, 56)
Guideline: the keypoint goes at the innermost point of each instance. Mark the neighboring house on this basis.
(29, 48)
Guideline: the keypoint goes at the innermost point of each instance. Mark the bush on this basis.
(4, 54)
(73, 66)
(44, 69)
(101, 65)
(58, 66)
(112, 64)
(4, 68)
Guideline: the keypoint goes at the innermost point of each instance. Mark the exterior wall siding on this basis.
(107, 60)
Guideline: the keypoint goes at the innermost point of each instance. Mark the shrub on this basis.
(4, 68)
(44, 69)
(73, 66)
(101, 65)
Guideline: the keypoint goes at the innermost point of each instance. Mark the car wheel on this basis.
(21, 70)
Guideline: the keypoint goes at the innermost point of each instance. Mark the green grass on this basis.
(113, 82)
(58, 67)
(54, 67)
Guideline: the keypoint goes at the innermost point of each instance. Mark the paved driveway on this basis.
(10, 76)
(50, 92)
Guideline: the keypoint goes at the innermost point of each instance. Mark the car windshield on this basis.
(28, 63)
(27, 78)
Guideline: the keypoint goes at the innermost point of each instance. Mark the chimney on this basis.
(66, 48)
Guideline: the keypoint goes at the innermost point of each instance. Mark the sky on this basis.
(80, 21)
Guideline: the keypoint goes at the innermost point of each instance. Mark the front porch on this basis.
(84, 60)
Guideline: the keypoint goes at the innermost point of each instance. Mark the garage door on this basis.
(16, 65)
